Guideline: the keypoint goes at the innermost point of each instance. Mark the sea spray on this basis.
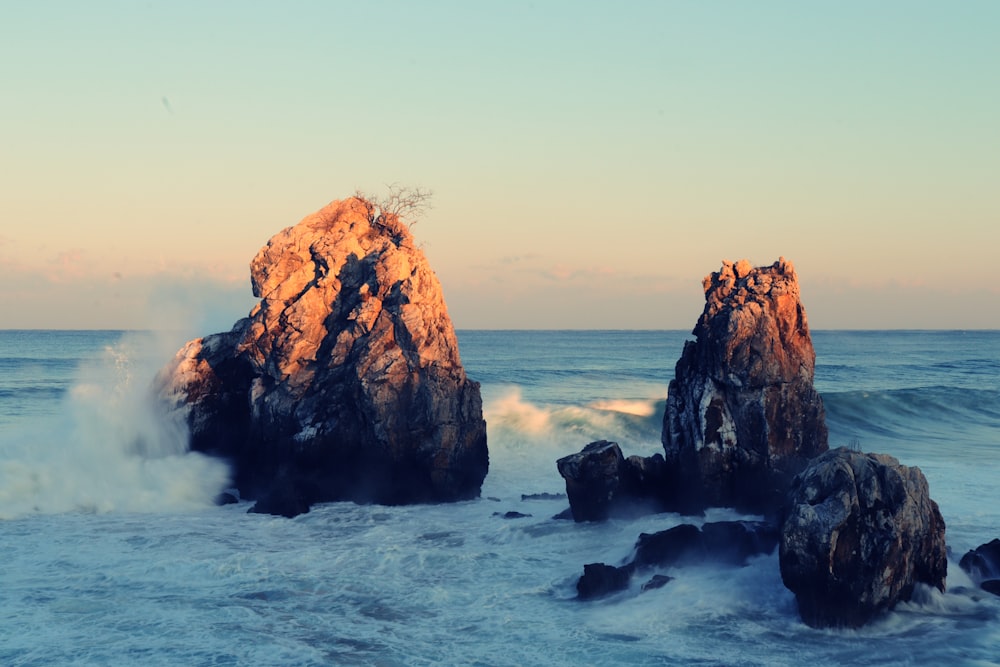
(452, 584)
(108, 448)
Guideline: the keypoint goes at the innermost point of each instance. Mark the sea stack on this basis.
(742, 414)
(345, 381)
(860, 532)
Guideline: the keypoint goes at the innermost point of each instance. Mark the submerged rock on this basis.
(346, 375)
(656, 581)
(732, 542)
(860, 532)
(225, 498)
(283, 497)
(742, 414)
(669, 547)
(725, 542)
(991, 586)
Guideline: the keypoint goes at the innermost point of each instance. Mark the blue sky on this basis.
(590, 161)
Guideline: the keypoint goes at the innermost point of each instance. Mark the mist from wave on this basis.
(104, 445)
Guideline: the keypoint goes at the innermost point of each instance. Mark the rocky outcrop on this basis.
(742, 415)
(725, 542)
(345, 377)
(982, 564)
(600, 579)
(283, 497)
(860, 532)
(601, 482)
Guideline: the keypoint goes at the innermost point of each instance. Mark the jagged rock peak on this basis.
(346, 377)
(742, 414)
(758, 314)
(344, 263)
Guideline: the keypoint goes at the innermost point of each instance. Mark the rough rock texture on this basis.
(983, 565)
(860, 532)
(601, 482)
(346, 376)
(742, 415)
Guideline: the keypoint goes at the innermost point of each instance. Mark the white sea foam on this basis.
(451, 584)
(525, 439)
(109, 448)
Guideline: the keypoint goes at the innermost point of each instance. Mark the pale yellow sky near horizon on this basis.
(590, 161)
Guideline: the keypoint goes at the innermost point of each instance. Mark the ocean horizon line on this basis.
(539, 329)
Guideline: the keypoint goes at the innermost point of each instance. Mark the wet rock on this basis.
(991, 586)
(668, 547)
(543, 496)
(742, 414)
(982, 564)
(656, 581)
(511, 515)
(736, 541)
(726, 542)
(600, 579)
(282, 498)
(225, 499)
(601, 482)
(860, 532)
(593, 479)
(346, 374)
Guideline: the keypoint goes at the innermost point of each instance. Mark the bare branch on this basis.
(400, 204)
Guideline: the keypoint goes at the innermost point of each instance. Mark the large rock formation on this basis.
(345, 378)
(860, 532)
(742, 415)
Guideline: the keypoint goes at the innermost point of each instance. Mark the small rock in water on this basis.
(284, 498)
(600, 579)
(543, 496)
(983, 562)
(991, 586)
(225, 499)
(657, 581)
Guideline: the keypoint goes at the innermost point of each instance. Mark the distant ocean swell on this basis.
(926, 413)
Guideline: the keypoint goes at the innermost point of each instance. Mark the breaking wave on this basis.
(106, 448)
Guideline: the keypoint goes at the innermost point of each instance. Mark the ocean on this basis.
(111, 552)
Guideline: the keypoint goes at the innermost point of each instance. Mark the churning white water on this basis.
(113, 554)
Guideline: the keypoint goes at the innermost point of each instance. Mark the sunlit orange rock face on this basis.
(345, 377)
(742, 414)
